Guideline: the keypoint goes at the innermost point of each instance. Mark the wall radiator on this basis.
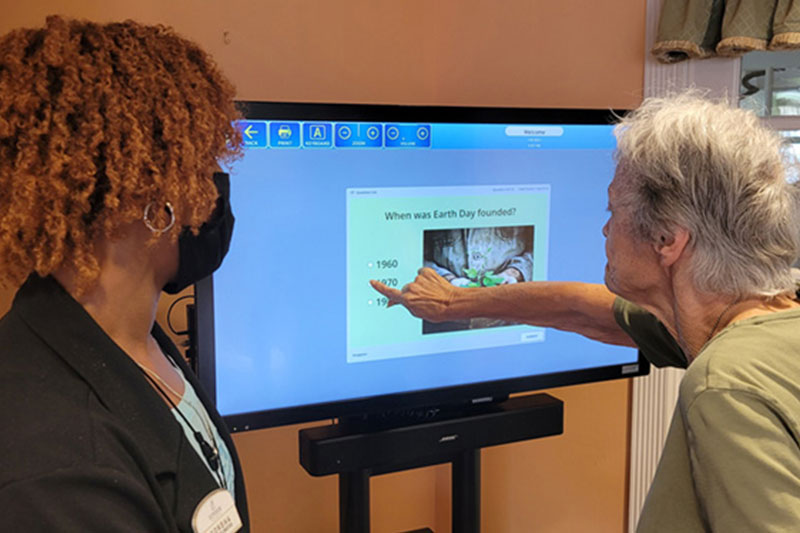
(653, 402)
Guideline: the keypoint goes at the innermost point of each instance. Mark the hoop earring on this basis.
(146, 218)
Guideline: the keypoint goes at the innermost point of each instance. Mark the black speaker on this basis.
(339, 448)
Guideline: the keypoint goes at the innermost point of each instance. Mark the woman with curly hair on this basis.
(110, 141)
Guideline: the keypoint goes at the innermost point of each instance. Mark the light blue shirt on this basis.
(192, 408)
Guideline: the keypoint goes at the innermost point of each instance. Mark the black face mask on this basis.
(200, 255)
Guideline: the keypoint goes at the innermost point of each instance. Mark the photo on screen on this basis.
(478, 257)
(387, 228)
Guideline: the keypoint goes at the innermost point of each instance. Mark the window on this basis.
(770, 84)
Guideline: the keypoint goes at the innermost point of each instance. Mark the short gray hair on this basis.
(720, 173)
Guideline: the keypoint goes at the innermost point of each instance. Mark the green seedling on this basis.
(490, 280)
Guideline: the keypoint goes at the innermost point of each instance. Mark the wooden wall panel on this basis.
(448, 52)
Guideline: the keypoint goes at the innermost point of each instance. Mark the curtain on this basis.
(691, 29)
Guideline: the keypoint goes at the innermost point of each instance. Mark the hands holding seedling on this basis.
(487, 279)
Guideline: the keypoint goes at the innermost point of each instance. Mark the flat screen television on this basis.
(327, 197)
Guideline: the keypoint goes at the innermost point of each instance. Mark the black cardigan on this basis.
(86, 444)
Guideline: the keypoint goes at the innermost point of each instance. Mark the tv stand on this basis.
(357, 450)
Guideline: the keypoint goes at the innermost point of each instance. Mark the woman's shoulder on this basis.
(48, 413)
(650, 335)
(758, 355)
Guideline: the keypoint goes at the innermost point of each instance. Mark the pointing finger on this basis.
(394, 295)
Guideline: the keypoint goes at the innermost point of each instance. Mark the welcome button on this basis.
(534, 131)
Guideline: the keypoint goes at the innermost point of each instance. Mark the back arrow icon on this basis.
(249, 131)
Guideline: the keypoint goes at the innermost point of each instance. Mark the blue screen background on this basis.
(280, 296)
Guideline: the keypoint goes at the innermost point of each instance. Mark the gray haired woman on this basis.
(702, 234)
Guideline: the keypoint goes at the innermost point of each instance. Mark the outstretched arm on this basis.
(584, 308)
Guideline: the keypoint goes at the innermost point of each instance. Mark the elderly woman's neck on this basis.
(699, 317)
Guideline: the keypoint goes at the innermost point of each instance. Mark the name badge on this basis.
(216, 513)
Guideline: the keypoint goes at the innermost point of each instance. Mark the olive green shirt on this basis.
(731, 461)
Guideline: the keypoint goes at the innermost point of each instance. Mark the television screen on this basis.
(328, 197)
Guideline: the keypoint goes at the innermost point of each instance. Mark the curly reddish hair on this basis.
(96, 122)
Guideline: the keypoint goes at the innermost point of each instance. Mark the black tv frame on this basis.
(202, 328)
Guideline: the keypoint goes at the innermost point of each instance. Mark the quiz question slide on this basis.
(474, 236)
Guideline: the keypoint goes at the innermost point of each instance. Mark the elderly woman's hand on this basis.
(427, 297)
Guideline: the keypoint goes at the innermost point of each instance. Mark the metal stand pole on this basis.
(466, 475)
(354, 502)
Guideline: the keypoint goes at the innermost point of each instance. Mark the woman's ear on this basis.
(670, 246)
